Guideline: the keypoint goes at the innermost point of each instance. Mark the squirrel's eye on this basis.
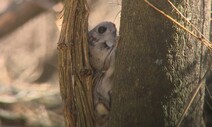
(102, 29)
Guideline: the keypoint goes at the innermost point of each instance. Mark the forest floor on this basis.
(30, 106)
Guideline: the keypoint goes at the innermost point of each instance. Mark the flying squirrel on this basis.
(102, 47)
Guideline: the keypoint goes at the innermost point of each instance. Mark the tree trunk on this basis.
(75, 75)
(159, 66)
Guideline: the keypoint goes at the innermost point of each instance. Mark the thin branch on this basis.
(193, 26)
(117, 16)
(201, 39)
(202, 82)
(208, 104)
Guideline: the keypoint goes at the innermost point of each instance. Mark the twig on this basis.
(193, 97)
(178, 11)
(201, 39)
(208, 104)
(117, 16)
(210, 97)
(208, 91)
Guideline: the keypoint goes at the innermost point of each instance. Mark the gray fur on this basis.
(102, 47)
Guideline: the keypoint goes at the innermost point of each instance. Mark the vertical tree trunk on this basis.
(158, 65)
(74, 69)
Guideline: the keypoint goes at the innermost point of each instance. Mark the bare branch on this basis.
(202, 39)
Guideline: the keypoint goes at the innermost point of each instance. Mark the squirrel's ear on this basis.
(109, 43)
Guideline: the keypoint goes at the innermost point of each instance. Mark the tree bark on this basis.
(159, 66)
(75, 75)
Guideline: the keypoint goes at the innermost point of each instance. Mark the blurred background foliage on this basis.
(29, 89)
